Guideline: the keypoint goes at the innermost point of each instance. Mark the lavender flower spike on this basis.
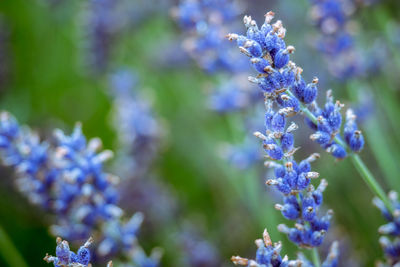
(301, 200)
(281, 81)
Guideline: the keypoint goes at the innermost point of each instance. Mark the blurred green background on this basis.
(46, 84)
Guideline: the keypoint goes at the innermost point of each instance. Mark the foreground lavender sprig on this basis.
(391, 246)
(206, 23)
(301, 201)
(67, 179)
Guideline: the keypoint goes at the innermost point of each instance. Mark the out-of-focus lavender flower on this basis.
(390, 241)
(66, 258)
(107, 20)
(198, 251)
(332, 17)
(207, 23)
(232, 96)
(138, 128)
(241, 156)
(67, 179)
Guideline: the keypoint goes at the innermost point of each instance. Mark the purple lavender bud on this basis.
(356, 142)
(310, 93)
(283, 186)
(295, 236)
(304, 166)
(290, 177)
(287, 141)
(282, 57)
(253, 48)
(309, 206)
(317, 238)
(338, 151)
(278, 123)
(298, 88)
(321, 138)
(260, 64)
(272, 42)
(289, 211)
(302, 181)
(289, 77)
(289, 102)
(280, 171)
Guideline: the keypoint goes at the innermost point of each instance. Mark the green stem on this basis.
(315, 257)
(370, 180)
(365, 173)
(9, 251)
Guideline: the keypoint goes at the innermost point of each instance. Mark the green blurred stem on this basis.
(315, 257)
(365, 173)
(9, 251)
(370, 180)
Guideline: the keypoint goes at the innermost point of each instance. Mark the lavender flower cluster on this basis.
(67, 179)
(282, 83)
(286, 94)
(270, 57)
(139, 130)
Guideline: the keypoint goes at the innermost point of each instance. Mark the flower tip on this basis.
(267, 238)
(239, 260)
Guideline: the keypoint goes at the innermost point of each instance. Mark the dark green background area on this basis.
(49, 86)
